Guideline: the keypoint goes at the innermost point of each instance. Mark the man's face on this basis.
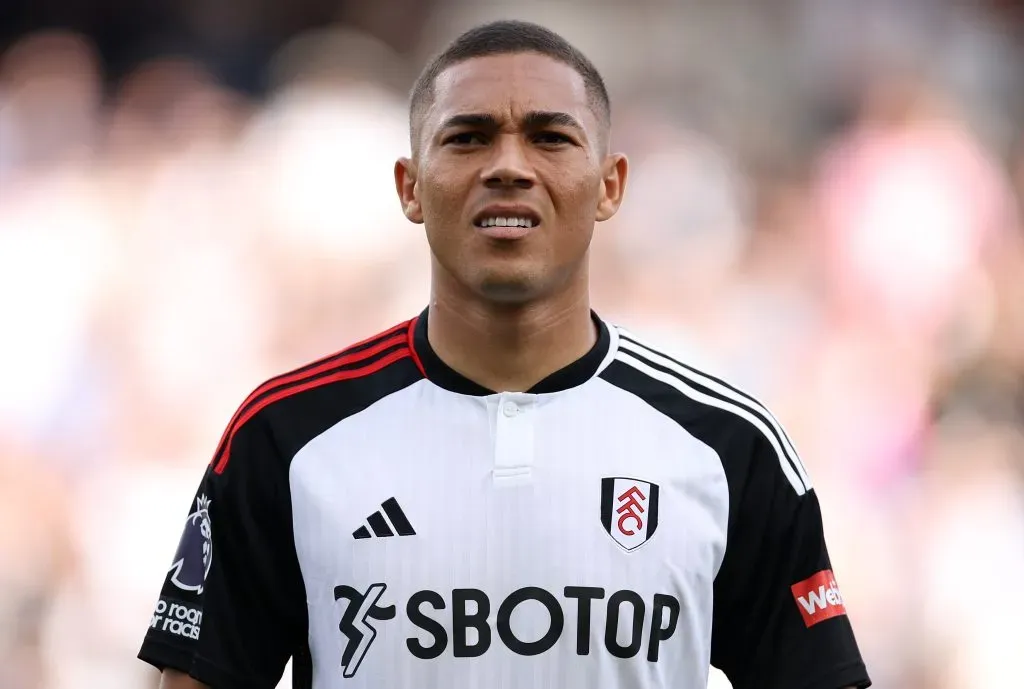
(510, 176)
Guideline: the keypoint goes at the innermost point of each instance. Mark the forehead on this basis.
(508, 86)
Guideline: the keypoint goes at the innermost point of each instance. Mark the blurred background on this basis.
(824, 206)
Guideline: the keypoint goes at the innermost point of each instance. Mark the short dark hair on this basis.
(507, 37)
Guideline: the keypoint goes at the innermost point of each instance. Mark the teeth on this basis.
(506, 222)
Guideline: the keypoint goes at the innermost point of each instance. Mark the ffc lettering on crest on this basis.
(629, 510)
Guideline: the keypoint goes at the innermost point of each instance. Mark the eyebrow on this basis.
(541, 119)
(471, 120)
(537, 119)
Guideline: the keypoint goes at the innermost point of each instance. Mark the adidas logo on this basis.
(390, 520)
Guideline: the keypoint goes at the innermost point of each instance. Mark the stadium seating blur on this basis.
(824, 207)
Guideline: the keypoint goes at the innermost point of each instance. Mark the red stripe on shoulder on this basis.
(318, 366)
(410, 333)
(346, 374)
(291, 383)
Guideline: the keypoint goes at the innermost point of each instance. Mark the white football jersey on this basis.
(386, 523)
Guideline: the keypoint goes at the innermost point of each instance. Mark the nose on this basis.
(509, 166)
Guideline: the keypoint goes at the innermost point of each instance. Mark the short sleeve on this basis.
(779, 617)
(231, 611)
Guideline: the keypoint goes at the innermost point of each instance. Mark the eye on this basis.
(465, 139)
(552, 139)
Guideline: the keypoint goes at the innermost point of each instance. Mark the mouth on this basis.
(506, 223)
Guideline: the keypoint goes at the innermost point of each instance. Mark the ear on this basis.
(613, 186)
(406, 186)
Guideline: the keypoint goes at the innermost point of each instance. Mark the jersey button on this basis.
(510, 409)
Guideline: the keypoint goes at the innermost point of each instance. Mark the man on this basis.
(504, 491)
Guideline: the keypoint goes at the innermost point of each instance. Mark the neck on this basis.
(510, 348)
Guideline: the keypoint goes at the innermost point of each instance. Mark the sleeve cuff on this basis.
(852, 675)
(165, 656)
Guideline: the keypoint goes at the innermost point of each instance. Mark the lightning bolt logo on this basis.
(354, 625)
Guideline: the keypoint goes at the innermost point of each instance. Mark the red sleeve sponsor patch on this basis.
(818, 598)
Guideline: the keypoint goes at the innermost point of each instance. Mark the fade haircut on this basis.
(506, 37)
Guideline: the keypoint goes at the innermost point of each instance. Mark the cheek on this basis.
(577, 197)
(442, 200)
(442, 197)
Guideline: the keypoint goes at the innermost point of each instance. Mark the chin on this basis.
(509, 289)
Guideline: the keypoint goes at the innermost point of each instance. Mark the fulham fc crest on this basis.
(629, 510)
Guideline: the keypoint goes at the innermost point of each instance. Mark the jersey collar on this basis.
(576, 373)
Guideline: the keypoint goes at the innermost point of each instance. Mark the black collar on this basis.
(576, 373)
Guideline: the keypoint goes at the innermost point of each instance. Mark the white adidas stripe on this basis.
(637, 345)
(697, 396)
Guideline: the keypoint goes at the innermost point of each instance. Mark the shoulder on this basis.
(292, 408)
(728, 418)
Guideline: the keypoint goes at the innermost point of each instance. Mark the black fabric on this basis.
(576, 373)
(775, 540)
(253, 602)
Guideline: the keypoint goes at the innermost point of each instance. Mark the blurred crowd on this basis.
(824, 207)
